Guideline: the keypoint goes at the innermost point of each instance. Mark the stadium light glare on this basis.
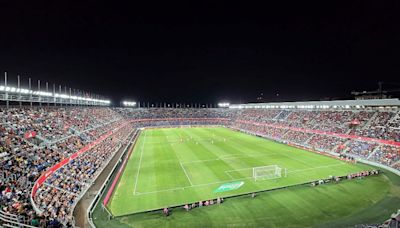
(129, 103)
(223, 104)
(49, 94)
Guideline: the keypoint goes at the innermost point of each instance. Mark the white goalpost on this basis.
(268, 172)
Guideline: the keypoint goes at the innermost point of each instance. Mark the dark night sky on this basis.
(204, 52)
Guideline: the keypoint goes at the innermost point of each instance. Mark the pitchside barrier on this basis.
(100, 170)
(395, 171)
(116, 179)
(159, 210)
(128, 149)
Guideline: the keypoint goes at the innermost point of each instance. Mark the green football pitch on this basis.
(176, 166)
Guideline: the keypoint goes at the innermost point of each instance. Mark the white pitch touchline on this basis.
(140, 163)
(187, 176)
(219, 182)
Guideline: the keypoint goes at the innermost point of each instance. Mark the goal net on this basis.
(268, 172)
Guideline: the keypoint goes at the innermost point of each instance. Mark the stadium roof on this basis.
(324, 104)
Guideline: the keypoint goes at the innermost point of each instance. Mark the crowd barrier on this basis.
(103, 187)
(119, 173)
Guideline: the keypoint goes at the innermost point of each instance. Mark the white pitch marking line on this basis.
(231, 155)
(165, 190)
(229, 158)
(219, 182)
(227, 173)
(294, 171)
(318, 167)
(293, 158)
(233, 170)
(187, 176)
(140, 163)
(193, 186)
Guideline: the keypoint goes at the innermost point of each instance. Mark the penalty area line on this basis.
(187, 176)
(227, 173)
(233, 157)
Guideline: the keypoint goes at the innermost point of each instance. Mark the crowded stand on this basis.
(333, 121)
(296, 137)
(381, 119)
(164, 113)
(360, 148)
(395, 122)
(32, 140)
(386, 154)
(308, 129)
(259, 115)
(324, 142)
(23, 160)
(300, 118)
(61, 190)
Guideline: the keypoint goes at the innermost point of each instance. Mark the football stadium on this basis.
(199, 114)
(75, 161)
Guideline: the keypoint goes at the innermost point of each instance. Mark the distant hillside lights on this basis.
(129, 103)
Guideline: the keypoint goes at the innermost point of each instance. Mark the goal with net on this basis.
(268, 172)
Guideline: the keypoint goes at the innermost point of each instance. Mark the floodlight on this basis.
(223, 104)
(127, 103)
